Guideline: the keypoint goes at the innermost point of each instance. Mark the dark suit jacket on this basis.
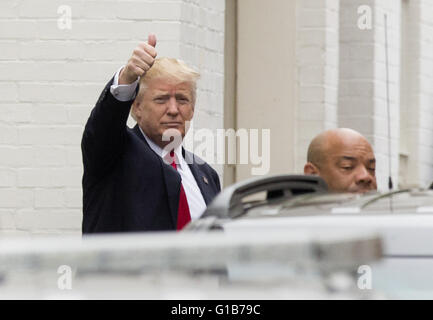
(126, 185)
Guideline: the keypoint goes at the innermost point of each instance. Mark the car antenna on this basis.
(390, 184)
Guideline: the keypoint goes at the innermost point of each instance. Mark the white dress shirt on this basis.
(194, 197)
(123, 92)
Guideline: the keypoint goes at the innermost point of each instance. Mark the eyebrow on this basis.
(353, 159)
(347, 158)
(167, 95)
(181, 95)
(162, 95)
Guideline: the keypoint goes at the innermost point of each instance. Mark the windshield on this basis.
(404, 201)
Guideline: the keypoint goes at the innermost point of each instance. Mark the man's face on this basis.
(349, 165)
(165, 106)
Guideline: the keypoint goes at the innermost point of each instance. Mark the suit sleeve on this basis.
(104, 134)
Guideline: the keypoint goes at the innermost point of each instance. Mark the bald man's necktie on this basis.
(183, 215)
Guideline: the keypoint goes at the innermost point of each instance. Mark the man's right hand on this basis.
(141, 60)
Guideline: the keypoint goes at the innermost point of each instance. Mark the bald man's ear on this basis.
(311, 169)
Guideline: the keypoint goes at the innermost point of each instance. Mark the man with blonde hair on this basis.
(142, 179)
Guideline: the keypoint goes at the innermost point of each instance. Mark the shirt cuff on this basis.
(123, 92)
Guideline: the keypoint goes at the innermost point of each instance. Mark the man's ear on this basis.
(310, 169)
(135, 110)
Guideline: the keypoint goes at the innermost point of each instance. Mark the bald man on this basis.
(344, 159)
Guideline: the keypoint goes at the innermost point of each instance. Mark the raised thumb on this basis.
(151, 40)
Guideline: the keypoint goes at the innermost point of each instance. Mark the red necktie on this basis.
(183, 215)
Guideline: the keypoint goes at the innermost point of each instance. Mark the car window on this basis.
(403, 201)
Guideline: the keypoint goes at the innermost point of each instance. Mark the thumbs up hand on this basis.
(140, 62)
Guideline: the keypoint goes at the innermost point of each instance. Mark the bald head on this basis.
(344, 159)
(324, 142)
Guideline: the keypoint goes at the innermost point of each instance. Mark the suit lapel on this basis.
(171, 178)
(198, 174)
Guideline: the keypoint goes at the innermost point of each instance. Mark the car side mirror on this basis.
(229, 203)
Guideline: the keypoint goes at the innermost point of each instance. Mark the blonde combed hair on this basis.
(171, 68)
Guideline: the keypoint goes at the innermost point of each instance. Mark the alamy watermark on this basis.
(64, 281)
(365, 277)
(64, 21)
(365, 19)
(224, 146)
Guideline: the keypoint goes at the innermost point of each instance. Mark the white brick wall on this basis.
(201, 44)
(417, 94)
(50, 80)
(380, 143)
(317, 65)
(362, 88)
(425, 129)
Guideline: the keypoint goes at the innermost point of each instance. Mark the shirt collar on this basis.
(163, 153)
